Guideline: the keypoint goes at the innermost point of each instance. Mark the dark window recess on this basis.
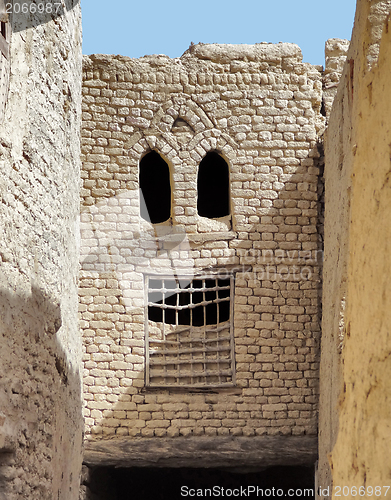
(155, 188)
(202, 302)
(3, 30)
(213, 187)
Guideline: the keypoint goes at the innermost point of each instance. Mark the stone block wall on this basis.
(40, 385)
(257, 107)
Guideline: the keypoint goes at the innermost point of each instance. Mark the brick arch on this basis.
(181, 106)
(207, 136)
(206, 133)
(168, 147)
(168, 150)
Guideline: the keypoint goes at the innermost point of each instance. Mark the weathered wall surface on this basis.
(40, 394)
(335, 57)
(337, 176)
(259, 108)
(355, 373)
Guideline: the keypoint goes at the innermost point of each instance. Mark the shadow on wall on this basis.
(40, 399)
(130, 413)
(25, 15)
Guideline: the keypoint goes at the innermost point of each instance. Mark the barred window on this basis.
(189, 334)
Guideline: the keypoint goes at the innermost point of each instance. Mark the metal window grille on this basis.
(189, 332)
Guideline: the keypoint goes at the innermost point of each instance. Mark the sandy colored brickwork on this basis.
(259, 107)
(264, 112)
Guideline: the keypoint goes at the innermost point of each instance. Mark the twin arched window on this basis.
(155, 186)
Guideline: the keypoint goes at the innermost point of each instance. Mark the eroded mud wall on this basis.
(40, 388)
(355, 374)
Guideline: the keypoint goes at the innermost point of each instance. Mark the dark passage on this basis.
(171, 484)
(213, 187)
(155, 187)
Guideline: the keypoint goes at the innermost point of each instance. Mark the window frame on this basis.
(178, 329)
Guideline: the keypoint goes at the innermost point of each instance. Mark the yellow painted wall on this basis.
(359, 144)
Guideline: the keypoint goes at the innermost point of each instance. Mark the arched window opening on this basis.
(213, 187)
(155, 188)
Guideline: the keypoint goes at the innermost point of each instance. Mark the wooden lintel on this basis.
(201, 451)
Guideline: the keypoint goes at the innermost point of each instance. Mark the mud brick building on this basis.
(201, 221)
(234, 203)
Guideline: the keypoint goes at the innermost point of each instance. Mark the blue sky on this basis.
(136, 28)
